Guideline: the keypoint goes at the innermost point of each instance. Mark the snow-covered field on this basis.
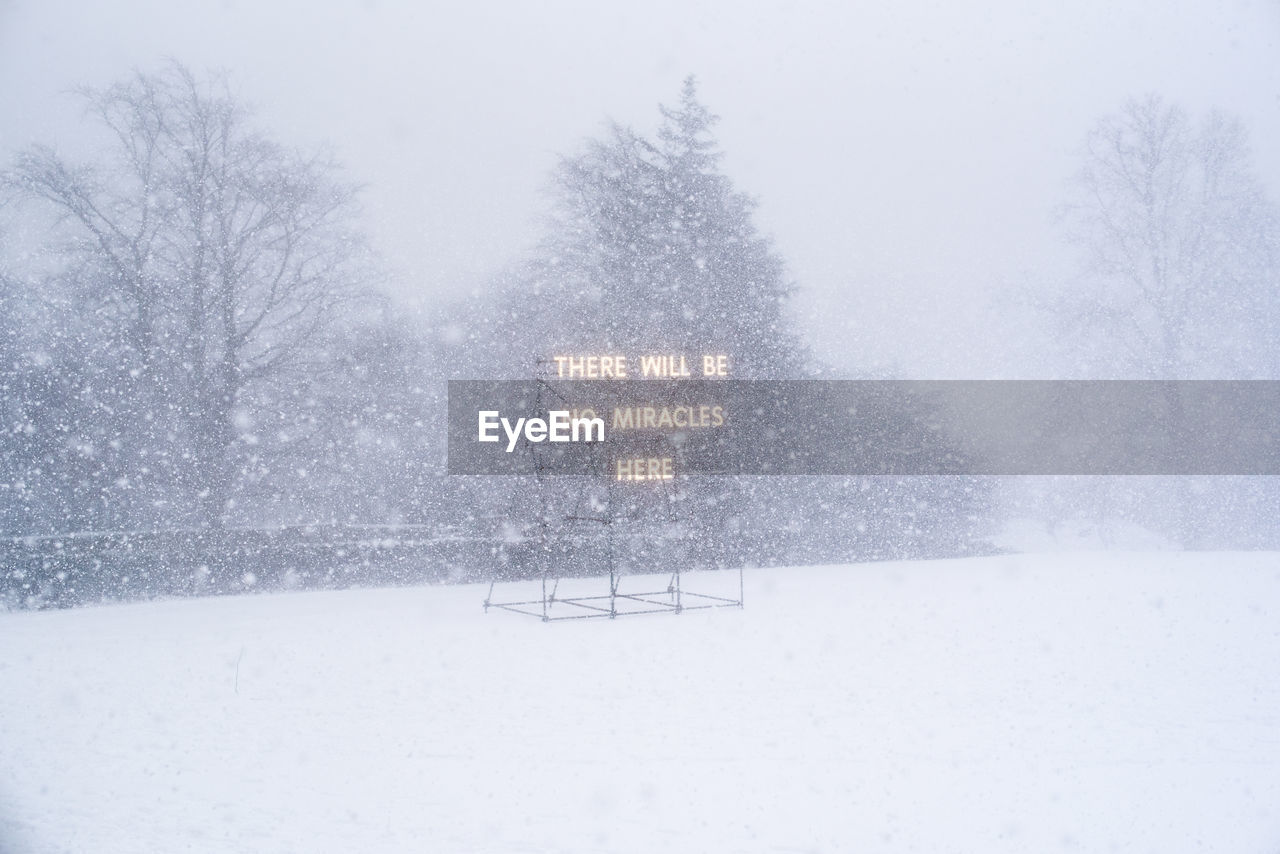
(1100, 702)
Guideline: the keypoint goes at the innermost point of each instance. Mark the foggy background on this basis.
(907, 157)
(221, 367)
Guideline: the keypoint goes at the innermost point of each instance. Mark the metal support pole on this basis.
(613, 594)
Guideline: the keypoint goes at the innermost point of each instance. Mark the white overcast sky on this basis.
(907, 155)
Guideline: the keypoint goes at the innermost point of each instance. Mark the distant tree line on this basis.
(200, 345)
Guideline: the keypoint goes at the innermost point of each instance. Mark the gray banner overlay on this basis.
(874, 427)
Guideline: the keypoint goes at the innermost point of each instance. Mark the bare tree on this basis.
(1179, 241)
(1180, 249)
(218, 256)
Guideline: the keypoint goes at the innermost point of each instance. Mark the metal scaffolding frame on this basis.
(673, 600)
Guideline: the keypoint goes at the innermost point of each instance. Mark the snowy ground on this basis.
(1098, 702)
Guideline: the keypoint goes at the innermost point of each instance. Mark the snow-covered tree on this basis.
(650, 248)
(206, 261)
(1180, 279)
(1180, 245)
